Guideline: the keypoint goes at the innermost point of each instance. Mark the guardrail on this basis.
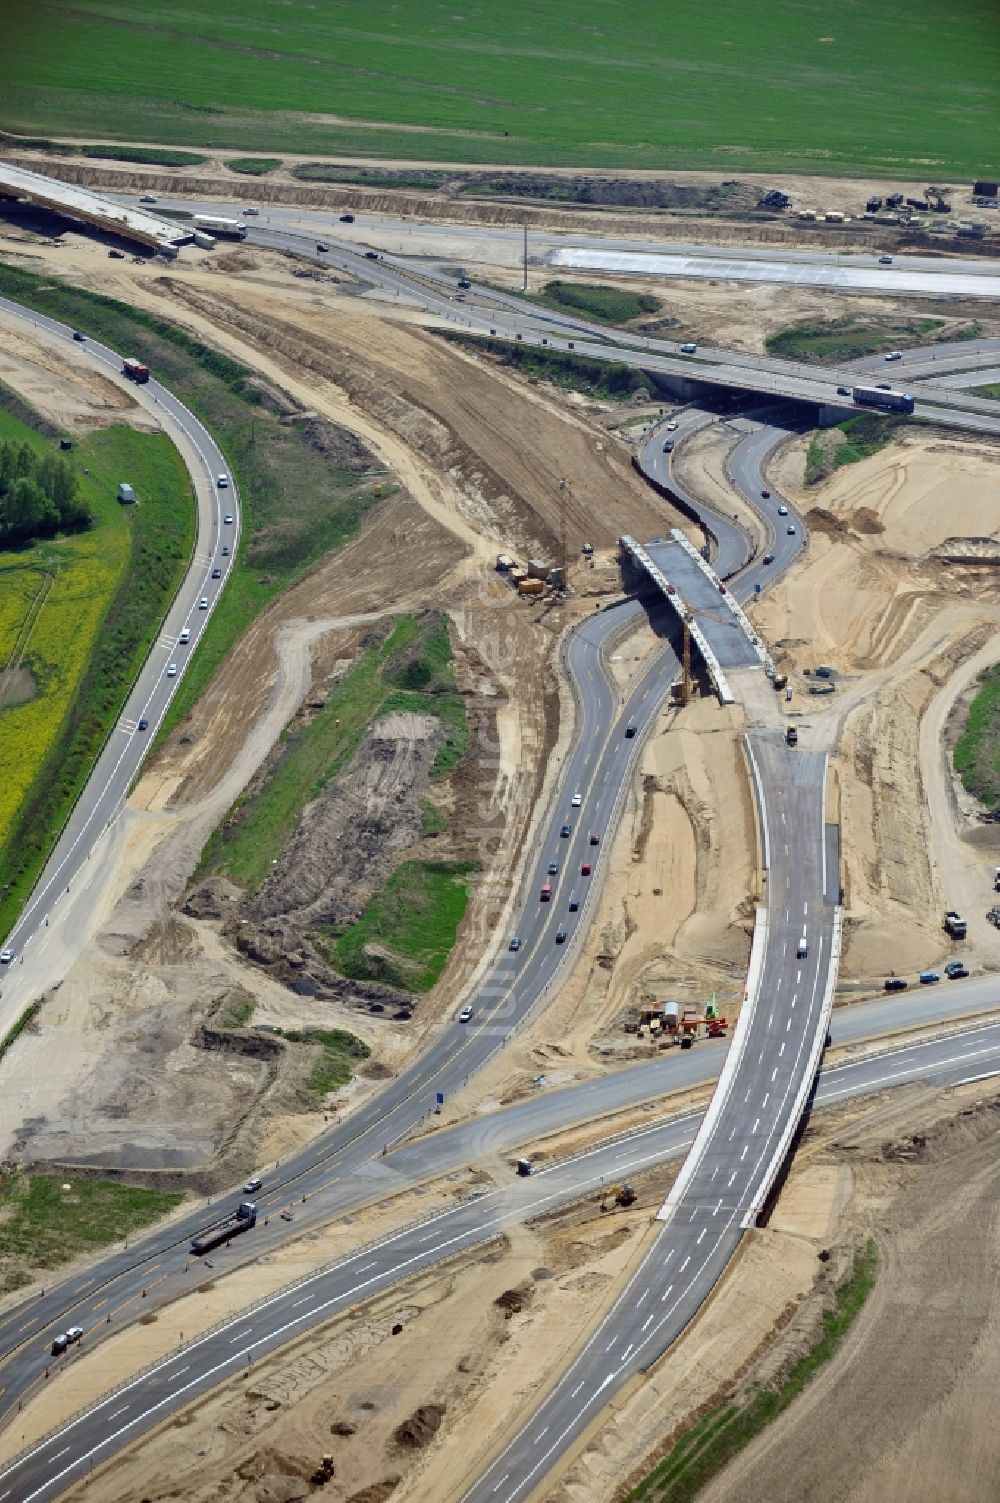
(639, 556)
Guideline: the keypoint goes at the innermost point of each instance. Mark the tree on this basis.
(29, 512)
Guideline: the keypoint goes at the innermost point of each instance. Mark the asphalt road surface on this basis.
(648, 1312)
(125, 750)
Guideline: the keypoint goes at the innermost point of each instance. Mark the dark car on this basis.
(766, 495)
(216, 573)
(928, 978)
(768, 558)
(957, 973)
(78, 336)
(144, 724)
(896, 984)
(114, 255)
(560, 936)
(371, 255)
(464, 283)
(515, 943)
(225, 550)
(843, 391)
(347, 218)
(594, 839)
(565, 831)
(553, 868)
(321, 247)
(953, 965)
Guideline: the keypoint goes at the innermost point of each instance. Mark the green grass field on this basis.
(977, 751)
(605, 305)
(410, 670)
(904, 89)
(412, 921)
(837, 339)
(78, 614)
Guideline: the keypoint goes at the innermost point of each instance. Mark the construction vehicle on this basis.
(323, 1473)
(955, 925)
(619, 1195)
(244, 1217)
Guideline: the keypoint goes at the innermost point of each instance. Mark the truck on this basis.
(875, 396)
(242, 1219)
(545, 896)
(233, 229)
(203, 241)
(955, 925)
(135, 370)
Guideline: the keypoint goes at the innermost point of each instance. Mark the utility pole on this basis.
(524, 284)
(562, 528)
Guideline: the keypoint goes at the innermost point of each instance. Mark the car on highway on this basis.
(171, 670)
(553, 868)
(185, 635)
(672, 425)
(6, 956)
(228, 519)
(80, 338)
(574, 902)
(928, 978)
(347, 218)
(320, 246)
(225, 550)
(885, 260)
(766, 495)
(668, 447)
(216, 573)
(790, 529)
(585, 869)
(594, 838)
(576, 800)
(630, 728)
(371, 255)
(768, 558)
(560, 936)
(895, 984)
(251, 211)
(465, 1016)
(843, 391)
(893, 355)
(143, 724)
(782, 511)
(957, 973)
(222, 482)
(953, 965)
(147, 198)
(688, 349)
(253, 1185)
(515, 943)
(464, 283)
(203, 603)
(565, 831)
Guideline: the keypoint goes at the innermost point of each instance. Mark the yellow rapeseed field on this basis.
(85, 572)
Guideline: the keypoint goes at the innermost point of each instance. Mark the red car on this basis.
(585, 869)
(766, 495)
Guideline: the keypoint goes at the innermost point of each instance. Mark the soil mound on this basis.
(421, 1427)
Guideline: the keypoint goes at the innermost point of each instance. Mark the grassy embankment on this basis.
(604, 381)
(862, 436)
(46, 1220)
(563, 83)
(417, 913)
(254, 166)
(77, 617)
(605, 305)
(986, 391)
(298, 503)
(334, 1052)
(152, 156)
(709, 1445)
(837, 339)
(977, 750)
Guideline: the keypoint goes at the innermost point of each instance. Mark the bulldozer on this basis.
(618, 1195)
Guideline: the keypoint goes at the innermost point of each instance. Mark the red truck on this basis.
(546, 892)
(135, 370)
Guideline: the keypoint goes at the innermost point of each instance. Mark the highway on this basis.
(655, 1303)
(149, 699)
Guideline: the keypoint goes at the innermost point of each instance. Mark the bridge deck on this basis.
(725, 637)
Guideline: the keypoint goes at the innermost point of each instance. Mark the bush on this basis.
(254, 166)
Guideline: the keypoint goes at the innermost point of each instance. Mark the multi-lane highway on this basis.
(121, 1417)
(125, 750)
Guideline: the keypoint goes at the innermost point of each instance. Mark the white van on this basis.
(803, 949)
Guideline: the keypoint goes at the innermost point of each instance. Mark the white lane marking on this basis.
(576, 1390)
(642, 1297)
(798, 977)
(731, 1179)
(782, 1049)
(732, 1135)
(714, 1172)
(296, 1303)
(666, 1294)
(701, 1235)
(181, 1370)
(805, 909)
(240, 1336)
(629, 1348)
(774, 1074)
(746, 1150)
(767, 1097)
(788, 1026)
(110, 1417)
(500, 1484)
(756, 1124)
(543, 1432)
(60, 1453)
(685, 1263)
(610, 1344)
(717, 1209)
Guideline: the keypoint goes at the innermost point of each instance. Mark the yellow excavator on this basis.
(619, 1195)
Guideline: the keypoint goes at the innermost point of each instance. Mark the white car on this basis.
(203, 603)
(782, 511)
(465, 1016)
(791, 531)
(253, 1185)
(688, 349)
(228, 519)
(671, 426)
(185, 635)
(222, 482)
(251, 211)
(576, 800)
(894, 355)
(172, 670)
(6, 956)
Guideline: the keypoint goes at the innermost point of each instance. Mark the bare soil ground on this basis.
(898, 622)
